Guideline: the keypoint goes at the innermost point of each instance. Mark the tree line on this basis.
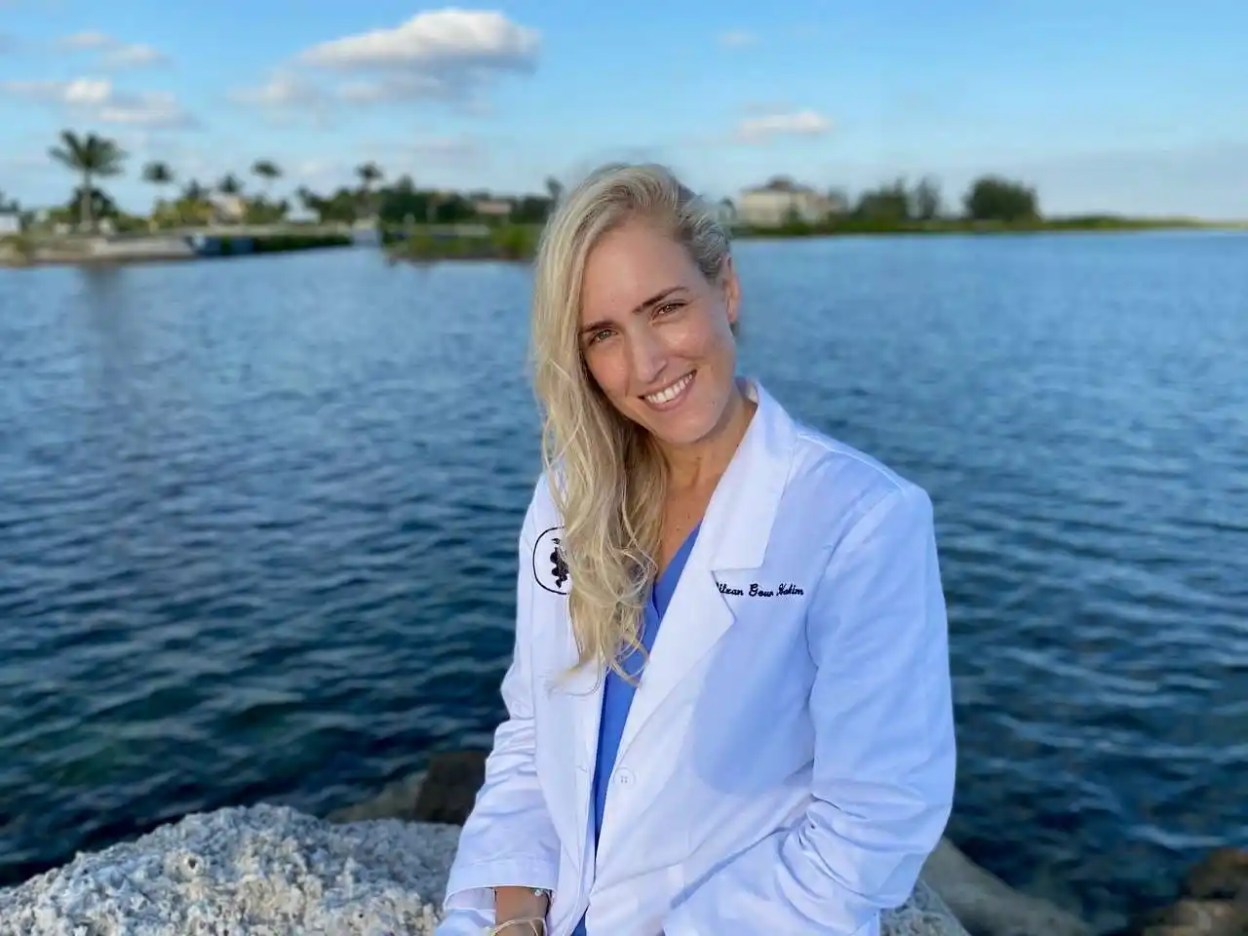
(988, 198)
(92, 158)
(180, 202)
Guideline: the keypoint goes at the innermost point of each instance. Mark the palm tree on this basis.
(92, 156)
(268, 171)
(160, 175)
(369, 173)
(194, 192)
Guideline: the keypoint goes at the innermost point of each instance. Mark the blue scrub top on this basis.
(617, 694)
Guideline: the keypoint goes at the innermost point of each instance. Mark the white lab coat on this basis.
(788, 761)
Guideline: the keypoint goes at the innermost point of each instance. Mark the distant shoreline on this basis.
(1080, 224)
(508, 242)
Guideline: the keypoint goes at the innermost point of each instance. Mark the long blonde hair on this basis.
(607, 476)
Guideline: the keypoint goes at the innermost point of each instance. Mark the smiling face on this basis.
(656, 334)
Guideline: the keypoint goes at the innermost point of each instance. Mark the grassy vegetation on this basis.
(228, 245)
(280, 243)
(501, 242)
(16, 250)
(854, 225)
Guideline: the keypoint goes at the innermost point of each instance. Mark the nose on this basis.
(648, 355)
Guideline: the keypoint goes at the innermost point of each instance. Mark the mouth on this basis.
(672, 395)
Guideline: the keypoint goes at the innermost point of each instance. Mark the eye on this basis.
(601, 334)
(667, 308)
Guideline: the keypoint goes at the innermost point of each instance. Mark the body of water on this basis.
(257, 525)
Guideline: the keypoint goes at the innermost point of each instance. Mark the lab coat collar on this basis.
(738, 520)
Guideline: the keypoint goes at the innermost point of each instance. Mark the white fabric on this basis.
(788, 762)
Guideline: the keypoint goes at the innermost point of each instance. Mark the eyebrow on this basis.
(641, 307)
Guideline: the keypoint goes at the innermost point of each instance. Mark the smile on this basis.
(670, 395)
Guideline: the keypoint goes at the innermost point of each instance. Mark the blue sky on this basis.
(1138, 107)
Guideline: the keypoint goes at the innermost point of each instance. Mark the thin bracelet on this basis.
(531, 921)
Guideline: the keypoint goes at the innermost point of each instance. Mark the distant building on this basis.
(10, 223)
(229, 209)
(492, 208)
(782, 200)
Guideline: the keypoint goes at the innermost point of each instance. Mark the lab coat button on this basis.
(624, 776)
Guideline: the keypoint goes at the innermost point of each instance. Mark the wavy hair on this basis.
(606, 474)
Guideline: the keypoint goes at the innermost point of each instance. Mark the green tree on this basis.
(926, 201)
(888, 203)
(370, 174)
(267, 171)
(992, 198)
(98, 203)
(195, 192)
(229, 185)
(92, 157)
(158, 174)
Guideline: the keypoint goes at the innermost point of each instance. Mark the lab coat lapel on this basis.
(733, 536)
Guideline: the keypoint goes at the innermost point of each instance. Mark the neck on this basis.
(700, 465)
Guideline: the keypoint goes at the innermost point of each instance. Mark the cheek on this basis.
(702, 336)
(609, 369)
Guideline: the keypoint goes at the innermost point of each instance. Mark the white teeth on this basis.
(671, 393)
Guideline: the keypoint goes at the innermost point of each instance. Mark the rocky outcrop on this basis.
(271, 871)
(987, 906)
(258, 871)
(1213, 901)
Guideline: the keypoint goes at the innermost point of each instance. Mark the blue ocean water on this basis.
(257, 523)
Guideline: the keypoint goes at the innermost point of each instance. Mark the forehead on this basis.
(629, 265)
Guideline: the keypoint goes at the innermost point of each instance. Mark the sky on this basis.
(1128, 107)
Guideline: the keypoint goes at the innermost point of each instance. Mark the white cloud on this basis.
(447, 54)
(765, 128)
(134, 56)
(399, 88)
(455, 150)
(737, 39)
(282, 90)
(97, 99)
(113, 52)
(432, 39)
(87, 40)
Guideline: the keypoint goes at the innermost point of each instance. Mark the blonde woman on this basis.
(729, 705)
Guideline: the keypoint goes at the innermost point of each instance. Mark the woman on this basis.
(729, 705)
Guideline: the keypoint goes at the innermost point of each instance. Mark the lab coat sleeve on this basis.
(884, 753)
(508, 839)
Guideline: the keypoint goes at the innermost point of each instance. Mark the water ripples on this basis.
(258, 519)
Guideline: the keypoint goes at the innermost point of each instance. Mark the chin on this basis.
(679, 429)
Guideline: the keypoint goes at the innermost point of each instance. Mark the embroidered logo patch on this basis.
(549, 568)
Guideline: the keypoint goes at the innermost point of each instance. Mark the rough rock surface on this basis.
(1212, 901)
(259, 871)
(987, 905)
(267, 870)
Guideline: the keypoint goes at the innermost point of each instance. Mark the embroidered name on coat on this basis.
(757, 591)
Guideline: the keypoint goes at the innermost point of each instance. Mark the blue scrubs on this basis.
(617, 694)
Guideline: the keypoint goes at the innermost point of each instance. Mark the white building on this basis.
(782, 200)
(10, 223)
